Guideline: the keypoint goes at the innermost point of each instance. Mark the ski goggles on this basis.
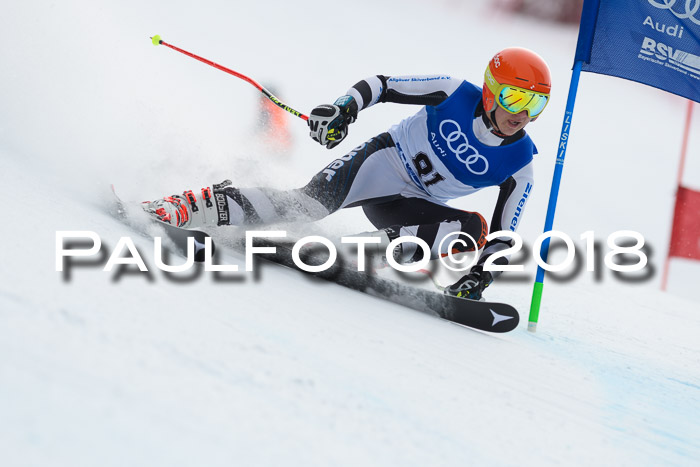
(514, 100)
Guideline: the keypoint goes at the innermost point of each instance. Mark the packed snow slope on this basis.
(132, 368)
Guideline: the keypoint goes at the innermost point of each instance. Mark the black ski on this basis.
(177, 235)
(485, 316)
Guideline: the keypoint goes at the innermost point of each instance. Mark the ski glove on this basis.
(472, 285)
(329, 123)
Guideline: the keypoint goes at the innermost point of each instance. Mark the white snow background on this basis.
(141, 369)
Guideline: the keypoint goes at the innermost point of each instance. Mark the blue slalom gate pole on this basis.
(553, 196)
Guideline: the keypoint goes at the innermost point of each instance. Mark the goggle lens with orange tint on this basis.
(514, 100)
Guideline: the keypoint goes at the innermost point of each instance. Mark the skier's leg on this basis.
(371, 172)
(331, 189)
(431, 222)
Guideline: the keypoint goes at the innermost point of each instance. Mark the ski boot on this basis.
(472, 285)
(189, 210)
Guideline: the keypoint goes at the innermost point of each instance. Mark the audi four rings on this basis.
(463, 147)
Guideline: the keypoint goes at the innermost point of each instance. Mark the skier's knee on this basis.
(475, 226)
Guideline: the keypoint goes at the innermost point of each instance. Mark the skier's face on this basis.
(509, 123)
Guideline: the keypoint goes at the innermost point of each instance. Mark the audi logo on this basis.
(458, 143)
(691, 7)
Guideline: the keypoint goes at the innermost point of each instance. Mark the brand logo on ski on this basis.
(198, 246)
(498, 318)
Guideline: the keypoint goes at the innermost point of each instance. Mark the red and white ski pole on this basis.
(158, 41)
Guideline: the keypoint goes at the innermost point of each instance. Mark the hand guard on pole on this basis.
(328, 124)
(472, 285)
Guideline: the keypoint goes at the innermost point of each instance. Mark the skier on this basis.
(463, 139)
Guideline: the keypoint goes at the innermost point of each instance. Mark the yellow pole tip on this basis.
(156, 40)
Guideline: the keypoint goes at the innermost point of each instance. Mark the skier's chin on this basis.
(510, 127)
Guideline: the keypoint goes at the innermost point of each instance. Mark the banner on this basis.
(685, 236)
(654, 42)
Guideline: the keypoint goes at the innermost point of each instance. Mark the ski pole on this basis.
(158, 41)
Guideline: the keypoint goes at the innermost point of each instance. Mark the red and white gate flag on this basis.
(685, 236)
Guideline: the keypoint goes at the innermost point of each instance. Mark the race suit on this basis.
(403, 178)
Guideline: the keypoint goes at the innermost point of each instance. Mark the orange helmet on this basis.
(519, 68)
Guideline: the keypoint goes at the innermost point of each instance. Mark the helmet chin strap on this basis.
(495, 130)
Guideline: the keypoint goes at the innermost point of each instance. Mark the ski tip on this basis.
(156, 40)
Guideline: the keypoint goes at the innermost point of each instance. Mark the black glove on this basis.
(472, 285)
(329, 123)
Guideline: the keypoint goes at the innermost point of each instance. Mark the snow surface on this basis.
(128, 368)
